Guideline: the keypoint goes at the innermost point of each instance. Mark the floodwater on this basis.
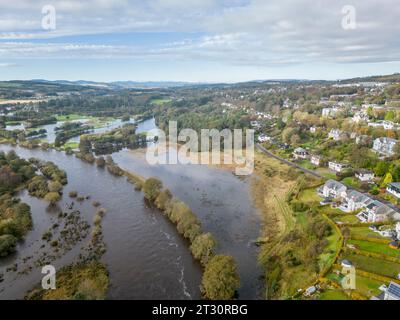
(146, 257)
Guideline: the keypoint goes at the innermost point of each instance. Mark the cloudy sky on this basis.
(198, 40)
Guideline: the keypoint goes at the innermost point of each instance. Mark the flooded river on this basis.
(146, 257)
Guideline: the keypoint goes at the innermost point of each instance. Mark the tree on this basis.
(388, 179)
(381, 168)
(7, 244)
(203, 247)
(52, 198)
(220, 280)
(152, 188)
(163, 198)
(55, 186)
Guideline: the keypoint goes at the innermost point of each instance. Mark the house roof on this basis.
(394, 290)
(364, 171)
(332, 184)
(358, 197)
(394, 184)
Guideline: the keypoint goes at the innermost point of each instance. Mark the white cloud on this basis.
(240, 32)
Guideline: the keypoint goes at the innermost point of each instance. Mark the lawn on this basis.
(376, 248)
(374, 265)
(347, 218)
(333, 294)
(367, 287)
(352, 182)
(364, 232)
(307, 164)
(325, 172)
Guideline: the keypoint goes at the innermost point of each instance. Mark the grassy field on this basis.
(333, 294)
(367, 287)
(374, 265)
(326, 259)
(325, 172)
(346, 218)
(70, 117)
(352, 182)
(364, 232)
(309, 196)
(375, 247)
(71, 144)
(160, 101)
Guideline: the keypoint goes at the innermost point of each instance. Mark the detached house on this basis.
(300, 153)
(365, 175)
(337, 167)
(337, 134)
(384, 146)
(316, 160)
(378, 212)
(334, 189)
(356, 200)
(394, 189)
(360, 116)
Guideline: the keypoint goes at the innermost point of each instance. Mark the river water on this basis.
(146, 257)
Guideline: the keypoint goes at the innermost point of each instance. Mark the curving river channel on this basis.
(146, 257)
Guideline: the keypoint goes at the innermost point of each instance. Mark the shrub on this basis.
(7, 244)
(163, 199)
(73, 194)
(152, 188)
(52, 198)
(220, 280)
(203, 247)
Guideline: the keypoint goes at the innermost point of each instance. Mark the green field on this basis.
(72, 145)
(364, 232)
(333, 294)
(375, 247)
(160, 101)
(70, 117)
(347, 218)
(367, 287)
(352, 182)
(374, 265)
(326, 259)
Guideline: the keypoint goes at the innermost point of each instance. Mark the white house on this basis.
(336, 134)
(360, 116)
(397, 229)
(300, 153)
(378, 212)
(356, 200)
(264, 138)
(337, 167)
(394, 189)
(316, 160)
(330, 112)
(365, 175)
(384, 146)
(334, 189)
(313, 129)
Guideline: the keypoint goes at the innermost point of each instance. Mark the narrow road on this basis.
(289, 163)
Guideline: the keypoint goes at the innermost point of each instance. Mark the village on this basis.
(351, 141)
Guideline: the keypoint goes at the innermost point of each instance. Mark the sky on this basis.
(198, 40)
